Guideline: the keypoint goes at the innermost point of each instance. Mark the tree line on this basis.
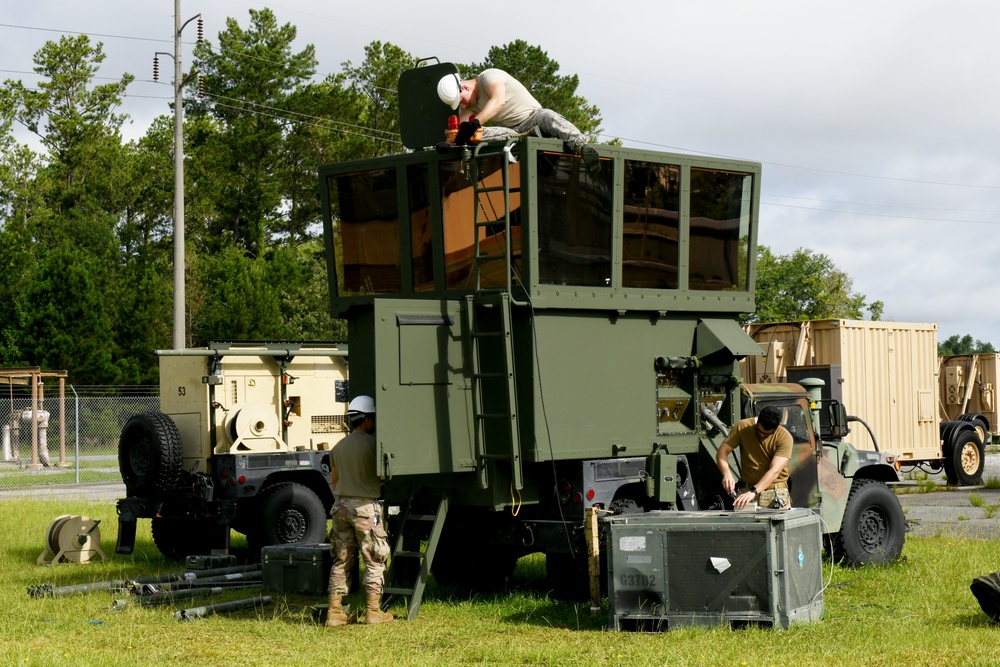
(86, 220)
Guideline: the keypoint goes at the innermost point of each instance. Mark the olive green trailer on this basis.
(532, 333)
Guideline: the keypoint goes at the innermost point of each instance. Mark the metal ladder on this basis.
(409, 566)
(478, 192)
(488, 320)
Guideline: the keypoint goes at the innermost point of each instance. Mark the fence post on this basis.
(76, 427)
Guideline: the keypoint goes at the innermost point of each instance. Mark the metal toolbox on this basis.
(302, 569)
(668, 569)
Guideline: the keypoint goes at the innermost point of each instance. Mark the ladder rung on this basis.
(491, 415)
(478, 257)
(489, 375)
(487, 334)
(392, 590)
(494, 188)
(491, 223)
(409, 554)
(421, 517)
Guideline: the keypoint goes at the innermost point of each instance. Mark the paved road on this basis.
(952, 512)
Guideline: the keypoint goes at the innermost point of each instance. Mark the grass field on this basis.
(93, 468)
(917, 612)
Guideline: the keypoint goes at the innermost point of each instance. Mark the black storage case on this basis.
(302, 569)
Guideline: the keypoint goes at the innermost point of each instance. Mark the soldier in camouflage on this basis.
(358, 524)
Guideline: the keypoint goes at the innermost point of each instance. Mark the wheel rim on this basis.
(292, 525)
(140, 457)
(970, 458)
(873, 529)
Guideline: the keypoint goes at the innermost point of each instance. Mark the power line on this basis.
(324, 125)
(793, 166)
(390, 135)
(88, 34)
(883, 215)
(863, 203)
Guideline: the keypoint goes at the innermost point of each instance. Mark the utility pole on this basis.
(180, 328)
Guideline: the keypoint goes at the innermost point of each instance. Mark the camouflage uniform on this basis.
(766, 500)
(548, 122)
(358, 525)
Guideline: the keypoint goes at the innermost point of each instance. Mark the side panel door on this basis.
(422, 388)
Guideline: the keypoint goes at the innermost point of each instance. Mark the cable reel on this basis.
(72, 538)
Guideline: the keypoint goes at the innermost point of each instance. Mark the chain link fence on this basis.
(72, 440)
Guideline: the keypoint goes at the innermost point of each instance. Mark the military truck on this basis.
(888, 373)
(541, 341)
(242, 440)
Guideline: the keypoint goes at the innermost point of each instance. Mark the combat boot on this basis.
(335, 616)
(375, 613)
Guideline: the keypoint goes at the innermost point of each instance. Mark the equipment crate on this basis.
(670, 568)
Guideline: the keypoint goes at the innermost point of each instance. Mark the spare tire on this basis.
(150, 455)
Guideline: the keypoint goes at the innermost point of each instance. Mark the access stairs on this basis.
(410, 566)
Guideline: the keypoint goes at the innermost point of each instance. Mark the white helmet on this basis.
(360, 406)
(450, 90)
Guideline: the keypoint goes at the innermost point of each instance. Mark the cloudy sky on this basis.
(876, 121)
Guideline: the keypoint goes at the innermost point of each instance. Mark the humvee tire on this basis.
(873, 528)
(290, 513)
(177, 539)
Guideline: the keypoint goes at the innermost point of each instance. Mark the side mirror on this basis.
(833, 421)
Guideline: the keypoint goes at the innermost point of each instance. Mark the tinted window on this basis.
(460, 203)
(574, 222)
(651, 220)
(365, 219)
(720, 229)
(421, 248)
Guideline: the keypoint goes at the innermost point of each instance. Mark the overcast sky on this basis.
(876, 121)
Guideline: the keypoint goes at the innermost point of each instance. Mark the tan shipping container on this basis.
(968, 386)
(886, 373)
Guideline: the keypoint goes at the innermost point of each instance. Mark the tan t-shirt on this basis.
(756, 455)
(354, 459)
(518, 102)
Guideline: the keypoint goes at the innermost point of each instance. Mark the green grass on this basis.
(917, 612)
(924, 483)
(13, 475)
